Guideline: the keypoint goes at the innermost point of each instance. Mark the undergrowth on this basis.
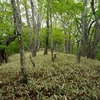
(63, 79)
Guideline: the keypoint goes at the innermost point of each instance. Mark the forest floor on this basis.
(63, 79)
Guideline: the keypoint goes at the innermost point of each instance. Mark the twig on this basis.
(32, 61)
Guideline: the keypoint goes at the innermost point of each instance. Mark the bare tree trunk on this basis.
(68, 45)
(82, 46)
(79, 48)
(72, 47)
(85, 36)
(47, 34)
(67, 40)
(28, 24)
(18, 26)
(97, 30)
(34, 45)
(51, 35)
(38, 31)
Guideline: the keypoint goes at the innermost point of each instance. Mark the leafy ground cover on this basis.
(63, 79)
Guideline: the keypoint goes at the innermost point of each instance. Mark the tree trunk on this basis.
(67, 40)
(18, 26)
(47, 34)
(72, 48)
(28, 24)
(97, 30)
(34, 46)
(85, 36)
(79, 48)
(3, 55)
(67, 46)
(51, 35)
(38, 31)
(83, 44)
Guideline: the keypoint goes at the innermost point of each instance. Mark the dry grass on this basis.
(62, 80)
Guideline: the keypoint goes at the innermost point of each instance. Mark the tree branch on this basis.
(10, 40)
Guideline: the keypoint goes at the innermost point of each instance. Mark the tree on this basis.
(97, 30)
(48, 27)
(18, 29)
(34, 44)
(51, 34)
(6, 30)
(38, 31)
(28, 23)
(89, 32)
(84, 37)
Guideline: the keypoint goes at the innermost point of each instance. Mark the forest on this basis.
(49, 49)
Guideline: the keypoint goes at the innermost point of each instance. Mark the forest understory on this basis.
(63, 79)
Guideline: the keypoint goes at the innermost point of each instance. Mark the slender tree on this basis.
(38, 29)
(48, 27)
(18, 27)
(34, 44)
(84, 39)
(28, 23)
(51, 34)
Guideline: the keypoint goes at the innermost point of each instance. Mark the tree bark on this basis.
(34, 45)
(3, 54)
(38, 31)
(48, 27)
(85, 35)
(18, 26)
(51, 35)
(83, 43)
(28, 24)
(97, 30)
